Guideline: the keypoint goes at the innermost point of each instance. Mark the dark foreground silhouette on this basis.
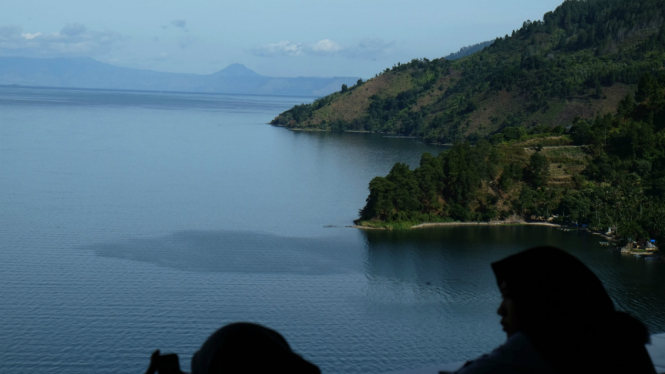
(555, 311)
(239, 348)
(559, 319)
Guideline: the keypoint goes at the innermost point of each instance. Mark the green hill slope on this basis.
(580, 61)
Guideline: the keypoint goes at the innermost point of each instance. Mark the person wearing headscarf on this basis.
(239, 348)
(559, 319)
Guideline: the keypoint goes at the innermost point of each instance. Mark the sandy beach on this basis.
(441, 224)
(491, 223)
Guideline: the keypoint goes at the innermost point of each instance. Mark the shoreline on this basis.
(491, 223)
(309, 129)
(443, 224)
(653, 255)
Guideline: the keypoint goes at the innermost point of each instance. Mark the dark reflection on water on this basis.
(236, 252)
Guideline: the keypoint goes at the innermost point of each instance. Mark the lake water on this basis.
(136, 221)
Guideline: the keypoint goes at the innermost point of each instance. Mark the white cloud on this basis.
(366, 49)
(282, 48)
(30, 36)
(325, 46)
(73, 40)
(287, 48)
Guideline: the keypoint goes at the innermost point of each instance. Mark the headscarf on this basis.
(565, 311)
(248, 348)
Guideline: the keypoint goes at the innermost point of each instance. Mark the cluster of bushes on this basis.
(449, 186)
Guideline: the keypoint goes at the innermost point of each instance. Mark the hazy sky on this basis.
(276, 38)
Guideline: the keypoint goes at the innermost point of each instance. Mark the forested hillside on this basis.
(580, 61)
(608, 172)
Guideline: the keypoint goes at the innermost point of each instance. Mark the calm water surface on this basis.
(136, 221)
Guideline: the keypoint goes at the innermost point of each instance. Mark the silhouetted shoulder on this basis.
(516, 355)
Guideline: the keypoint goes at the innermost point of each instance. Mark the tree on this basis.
(462, 177)
(379, 202)
(648, 87)
(525, 201)
(406, 192)
(344, 88)
(538, 171)
(627, 105)
(511, 173)
(511, 133)
(430, 179)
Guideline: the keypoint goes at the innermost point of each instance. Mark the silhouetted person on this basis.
(239, 348)
(559, 319)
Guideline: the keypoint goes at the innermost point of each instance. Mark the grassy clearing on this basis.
(353, 103)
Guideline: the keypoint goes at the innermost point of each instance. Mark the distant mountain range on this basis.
(89, 73)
